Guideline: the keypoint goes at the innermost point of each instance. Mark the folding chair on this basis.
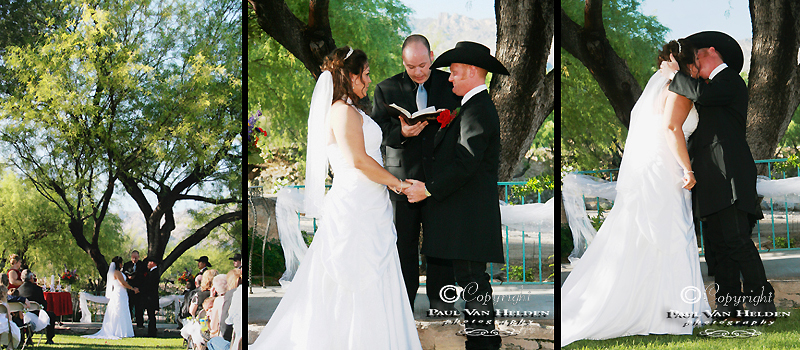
(34, 307)
(5, 337)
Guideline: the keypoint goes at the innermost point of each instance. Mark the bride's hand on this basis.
(688, 180)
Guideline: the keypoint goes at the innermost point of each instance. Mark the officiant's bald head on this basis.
(417, 58)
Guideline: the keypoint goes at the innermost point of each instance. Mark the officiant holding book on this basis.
(406, 147)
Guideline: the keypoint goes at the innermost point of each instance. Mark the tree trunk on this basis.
(525, 98)
(591, 46)
(309, 43)
(774, 74)
(76, 228)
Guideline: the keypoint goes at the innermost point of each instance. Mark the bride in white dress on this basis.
(117, 320)
(643, 262)
(348, 292)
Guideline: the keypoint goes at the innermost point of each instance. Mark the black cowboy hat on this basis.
(236, 257)
(471, 53)
(727, 46)
(205, 260)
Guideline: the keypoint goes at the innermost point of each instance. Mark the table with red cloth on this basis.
(59, 303)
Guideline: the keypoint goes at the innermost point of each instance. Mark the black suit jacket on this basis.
(721, 159)
(149, 289)
(134, 279)
(404, 156)
(463, 220)
(33, 292)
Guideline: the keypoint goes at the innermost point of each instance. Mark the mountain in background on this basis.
(448, 29)
(445, 31)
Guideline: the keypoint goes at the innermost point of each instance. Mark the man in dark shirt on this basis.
(29, 289)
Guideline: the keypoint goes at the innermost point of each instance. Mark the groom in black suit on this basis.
(149, 293)
(134, 270)
(463, 208)
(724, 198)
(406, 147)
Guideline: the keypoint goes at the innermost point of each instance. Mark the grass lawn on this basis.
(783, 334)
(76, 342)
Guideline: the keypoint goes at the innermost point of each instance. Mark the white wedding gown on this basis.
(348, 292)
(644, 260)
(117, 320)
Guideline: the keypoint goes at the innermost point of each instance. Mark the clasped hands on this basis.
(413, 189)
(135, 290)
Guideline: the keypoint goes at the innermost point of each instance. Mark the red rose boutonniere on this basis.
(446, 117)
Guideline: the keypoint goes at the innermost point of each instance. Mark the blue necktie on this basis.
(422, 97)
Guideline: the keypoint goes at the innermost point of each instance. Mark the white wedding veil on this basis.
(318, 137)
(110, 277)
(648, 168)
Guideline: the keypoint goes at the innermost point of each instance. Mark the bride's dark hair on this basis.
(683, 50)
(118, 261)
(341, 66)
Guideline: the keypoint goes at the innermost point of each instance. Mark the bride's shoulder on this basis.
(341, 111)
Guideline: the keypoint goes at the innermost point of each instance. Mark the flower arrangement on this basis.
(185, 277)
(252, 133)
(68, 276)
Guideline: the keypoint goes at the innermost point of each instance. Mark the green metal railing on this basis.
(769, 163)
(508, 195)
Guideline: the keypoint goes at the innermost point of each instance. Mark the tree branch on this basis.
(591, 46)
(198, 236)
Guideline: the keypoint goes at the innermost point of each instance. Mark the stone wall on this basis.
(260, 213)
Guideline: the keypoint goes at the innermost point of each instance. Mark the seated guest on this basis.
(5, 326)
(235, 319)
(234, 278)
(218, 290)
(32, 291)
(14, 278)
(203, 292)
(188, 293)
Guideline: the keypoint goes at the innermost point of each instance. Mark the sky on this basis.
(685, 17)
(478, 9)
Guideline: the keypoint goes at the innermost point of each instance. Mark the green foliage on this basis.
(272, 259)
(531, 274)
(790, 142)
(534, 185)
(546, 135)
(281, 86)
(145, 91)
(135, 343)
(218, 257)
(591, 135)
(597, 221)
(34, 228)
(781, 242)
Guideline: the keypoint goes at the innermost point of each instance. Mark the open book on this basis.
(429, 113)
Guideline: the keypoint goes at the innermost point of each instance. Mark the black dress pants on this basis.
(739, 271)
(408, 221)
(479, 304)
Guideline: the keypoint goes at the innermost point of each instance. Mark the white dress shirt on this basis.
(473, 92)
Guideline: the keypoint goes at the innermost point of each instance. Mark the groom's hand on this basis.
(416, 192)
(668, 68)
